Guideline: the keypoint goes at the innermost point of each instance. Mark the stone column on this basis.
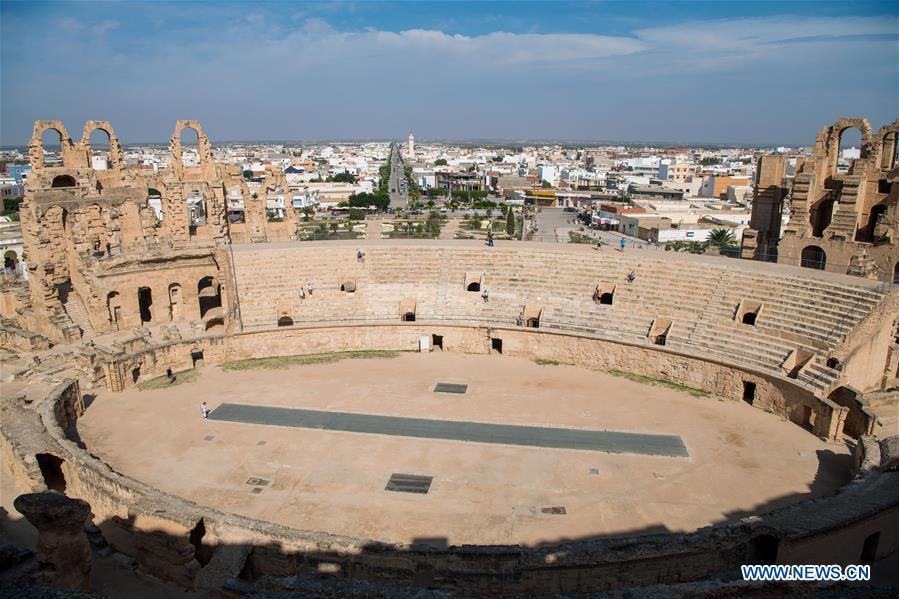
(63, 551)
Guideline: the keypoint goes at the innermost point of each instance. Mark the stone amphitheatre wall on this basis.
(161, 531)
(773, 393)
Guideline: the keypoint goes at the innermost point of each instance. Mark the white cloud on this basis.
(105, 27)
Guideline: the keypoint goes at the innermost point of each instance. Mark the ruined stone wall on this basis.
(852, 216)
(776, 394)
(82, 224)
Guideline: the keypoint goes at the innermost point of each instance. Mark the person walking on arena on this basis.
(485, 296)
(204, 410)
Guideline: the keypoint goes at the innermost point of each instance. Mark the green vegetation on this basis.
(247, 175)
(709, 161)
(277, 363)
(574, 237)
(721, 238)
(545, 362)
(357, 214)
(161, 382)
(648, 380)
(510, 222)
(335, 229)
(440, 162)
(343, 177)
(11, 207)
(546, 185)
(434, 192)
(380, 200)
(475, 194)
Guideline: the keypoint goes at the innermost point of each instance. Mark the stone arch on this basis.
(833, 135)
(63, 181)
(11, 260)
(889, 150)
(36, 144)
(813, 257)
(203, 147)
(115, 148)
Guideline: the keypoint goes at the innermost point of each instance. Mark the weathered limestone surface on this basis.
(63, 551)
(841, 220)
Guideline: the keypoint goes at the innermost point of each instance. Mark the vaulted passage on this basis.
(144, 302)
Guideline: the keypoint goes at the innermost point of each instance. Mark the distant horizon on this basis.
(739, 74)
(478, 142)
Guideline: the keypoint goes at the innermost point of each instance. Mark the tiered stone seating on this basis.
(699, 297)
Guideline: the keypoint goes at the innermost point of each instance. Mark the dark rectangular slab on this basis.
(450, 388)
(475, 432)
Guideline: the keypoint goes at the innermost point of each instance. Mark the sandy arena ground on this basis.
(742, 459)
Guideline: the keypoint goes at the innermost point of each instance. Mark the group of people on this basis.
(360, 256)
(304, 291)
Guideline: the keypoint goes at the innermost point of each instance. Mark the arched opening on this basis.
(474, 286)
(285, 321)
(51, 142)
(869, 548)
(850, 148)
(821, 215)
(174, 301)
(209, 293)
(51, 470)
(408, 317)
(100, 142)
(10, 260)
(813, 257)
(870, 230)
(215, 323)
(763, 550)
(144, 302)
(749, 318)
(114, 306)
(896, 274)
(190, 147)
(63, 181)
(857, 422)
(606, 299)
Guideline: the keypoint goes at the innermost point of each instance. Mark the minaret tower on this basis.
(411, 145)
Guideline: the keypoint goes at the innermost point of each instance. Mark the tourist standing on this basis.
(204, 410)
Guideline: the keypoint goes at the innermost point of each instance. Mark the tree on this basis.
(498, 158)
(306, 212)
(546, 185)
(721, 238)
(472, 168)
(709, 161)
(510, 222)
(675, 246)
(440, 162)
(248, 174)
(697, 247)
(343, 177)
(357, 214)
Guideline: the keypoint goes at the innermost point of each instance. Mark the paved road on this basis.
(397, 185)
(476, 432)
(554, 224)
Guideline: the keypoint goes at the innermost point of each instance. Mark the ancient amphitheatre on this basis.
(713, 412)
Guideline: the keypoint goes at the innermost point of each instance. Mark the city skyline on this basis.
(683, 73)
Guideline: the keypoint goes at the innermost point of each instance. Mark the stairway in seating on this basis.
(75, 309)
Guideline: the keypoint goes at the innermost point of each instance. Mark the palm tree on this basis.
(675, 246)
(721, 238)
(697, 247)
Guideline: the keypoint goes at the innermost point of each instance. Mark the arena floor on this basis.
(740, 459)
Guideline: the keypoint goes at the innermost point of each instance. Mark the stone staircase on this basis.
(74, 307)
(798, 313)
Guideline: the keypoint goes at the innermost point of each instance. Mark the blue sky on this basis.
(715, 72)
